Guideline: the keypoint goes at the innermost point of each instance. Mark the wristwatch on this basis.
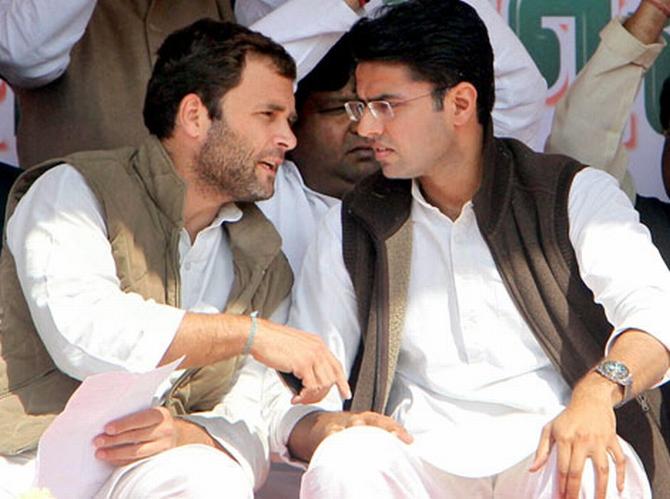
(617, 372)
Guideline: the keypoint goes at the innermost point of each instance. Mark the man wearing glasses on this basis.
(496, 303)
(330, 157)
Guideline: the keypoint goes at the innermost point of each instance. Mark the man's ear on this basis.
(192, 117)
(462, 99)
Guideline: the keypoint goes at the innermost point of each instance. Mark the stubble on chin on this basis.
(226, 166)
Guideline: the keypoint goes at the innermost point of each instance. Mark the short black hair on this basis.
(206, 58)
(443, 42)
(664, 104)
(332, 72)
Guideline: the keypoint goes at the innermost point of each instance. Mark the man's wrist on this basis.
(189, 432)
(618, 373)
(594, 387)
(661, 6)
(303, 440)
(647, 22)
(356, 5)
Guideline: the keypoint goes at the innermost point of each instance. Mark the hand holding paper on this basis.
(139, 435)
(66, 462)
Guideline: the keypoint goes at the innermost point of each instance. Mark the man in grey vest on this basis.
(484, 296)
(131, 258)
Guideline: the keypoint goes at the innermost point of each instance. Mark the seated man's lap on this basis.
(543, 483)
(367, 461)
(16, 474)
(186, 471)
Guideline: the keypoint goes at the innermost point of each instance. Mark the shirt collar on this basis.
(229, 212)
(291, 170)
(420, 200)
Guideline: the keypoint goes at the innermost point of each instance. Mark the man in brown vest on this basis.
(484, 296)
(132, 258)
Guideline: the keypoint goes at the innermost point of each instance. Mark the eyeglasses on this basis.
(379, 109)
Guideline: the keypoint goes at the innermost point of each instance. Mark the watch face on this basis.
(614, 370)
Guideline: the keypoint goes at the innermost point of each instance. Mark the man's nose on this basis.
(369, 126)
(285, 138)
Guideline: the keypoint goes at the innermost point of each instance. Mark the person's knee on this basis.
(361, 449)
(363, 462)
(544, 484)
(188, 471)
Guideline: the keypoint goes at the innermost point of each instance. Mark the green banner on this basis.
(528, 18)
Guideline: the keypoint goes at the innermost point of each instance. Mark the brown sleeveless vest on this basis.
(521, 210)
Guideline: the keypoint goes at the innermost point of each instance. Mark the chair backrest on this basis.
(8, 175)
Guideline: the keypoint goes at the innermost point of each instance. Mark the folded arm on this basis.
(36, 37)
(591, 117)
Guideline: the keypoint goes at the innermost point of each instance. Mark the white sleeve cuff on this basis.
(290, 419)
(247, 446)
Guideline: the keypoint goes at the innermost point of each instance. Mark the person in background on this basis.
(79, 67)
(590, 118)
(520, 88)
(8, 174)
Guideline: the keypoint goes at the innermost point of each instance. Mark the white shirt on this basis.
(519, 86)
(295, 210)
(473, 385)
(58, 238)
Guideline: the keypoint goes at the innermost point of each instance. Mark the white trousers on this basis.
(189, 471)
(364, 462)
(16, 474)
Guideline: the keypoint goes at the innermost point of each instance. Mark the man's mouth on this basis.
(271, 165)
(381, 151)
(362, 151)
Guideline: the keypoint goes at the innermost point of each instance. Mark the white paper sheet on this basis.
(66, 463)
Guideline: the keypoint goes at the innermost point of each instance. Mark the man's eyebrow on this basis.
(382, 97)
(341, 98)
(337, 101)
(272, 106)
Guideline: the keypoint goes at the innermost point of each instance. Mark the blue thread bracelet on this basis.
(252, 333)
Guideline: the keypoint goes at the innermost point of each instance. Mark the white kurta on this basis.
(471, 374)
(296, 211)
